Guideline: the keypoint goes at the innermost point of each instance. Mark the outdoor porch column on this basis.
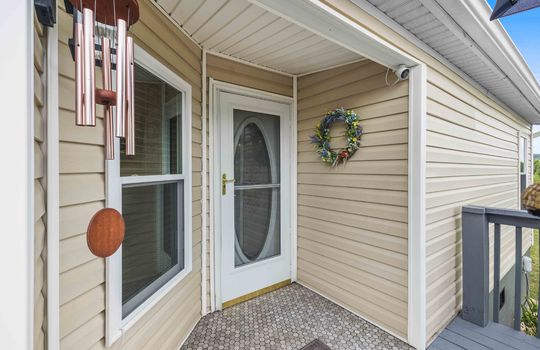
(16, 185)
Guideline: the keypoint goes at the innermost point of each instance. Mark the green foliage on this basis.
(533, 276)
(529, 309)
(537, 170)
(529, 317)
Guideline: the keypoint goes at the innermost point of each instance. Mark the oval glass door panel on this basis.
(257, 187)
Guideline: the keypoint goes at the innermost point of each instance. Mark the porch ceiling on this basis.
(248, 32)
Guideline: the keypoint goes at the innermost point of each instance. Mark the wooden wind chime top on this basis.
(108, 11)
(119, 14)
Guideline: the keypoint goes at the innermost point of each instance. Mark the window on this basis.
(152, 189)
(522, 155)
(522, 166)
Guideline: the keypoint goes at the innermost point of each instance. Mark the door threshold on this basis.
(256, 293)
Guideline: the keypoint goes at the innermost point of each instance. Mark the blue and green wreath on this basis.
(322, 138)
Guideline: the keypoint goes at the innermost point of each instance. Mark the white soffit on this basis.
(482, 50)
(245, 31)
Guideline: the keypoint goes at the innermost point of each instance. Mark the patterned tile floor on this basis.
(288, 318)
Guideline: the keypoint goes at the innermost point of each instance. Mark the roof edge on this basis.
(507, 41)
(491, 38)
(402, 31)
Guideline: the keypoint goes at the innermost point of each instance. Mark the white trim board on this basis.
(294, 182)
(211, 190)
(53, 193)
(242, 90)
(215, 247)
(204, 174)
(29, 168)
(417, 208)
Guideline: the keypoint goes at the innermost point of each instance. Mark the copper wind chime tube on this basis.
(107, 85)
(130, 97)
(119, 14)
(120, 78)
(79, 71)
(89, 54)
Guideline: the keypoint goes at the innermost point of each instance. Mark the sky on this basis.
(524, 29)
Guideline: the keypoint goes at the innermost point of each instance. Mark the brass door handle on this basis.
(224, 182)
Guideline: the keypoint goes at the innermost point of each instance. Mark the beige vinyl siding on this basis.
(352, 220)
(472, 158)
(474, 124)
(40, 230)
(82, 193)
(222, 69)
(234, 72)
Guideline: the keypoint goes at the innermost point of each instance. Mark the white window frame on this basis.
(115, 324)
(522, 153)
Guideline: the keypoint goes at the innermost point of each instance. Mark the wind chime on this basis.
(112, 49)
(100, 36)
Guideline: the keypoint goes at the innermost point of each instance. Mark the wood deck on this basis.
(460, 334)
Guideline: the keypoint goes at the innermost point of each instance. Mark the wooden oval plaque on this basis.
(105, 232)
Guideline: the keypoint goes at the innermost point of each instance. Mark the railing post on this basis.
(496, 271)
(517, 281)
(475, 247)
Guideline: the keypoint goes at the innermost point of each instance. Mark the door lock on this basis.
(224, 182)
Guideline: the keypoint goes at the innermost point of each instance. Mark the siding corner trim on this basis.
(417, 208)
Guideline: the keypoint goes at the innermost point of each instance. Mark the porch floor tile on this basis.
(288, 318)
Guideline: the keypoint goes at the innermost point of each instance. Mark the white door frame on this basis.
(215, 88)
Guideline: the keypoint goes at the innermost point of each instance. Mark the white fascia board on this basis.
(491, 38)
(398, 28)
(452, 26)
(324, 21)
(437, 11)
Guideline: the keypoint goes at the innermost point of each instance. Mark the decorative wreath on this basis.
(321, 139)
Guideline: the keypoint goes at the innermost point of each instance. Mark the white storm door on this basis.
(254, 194)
